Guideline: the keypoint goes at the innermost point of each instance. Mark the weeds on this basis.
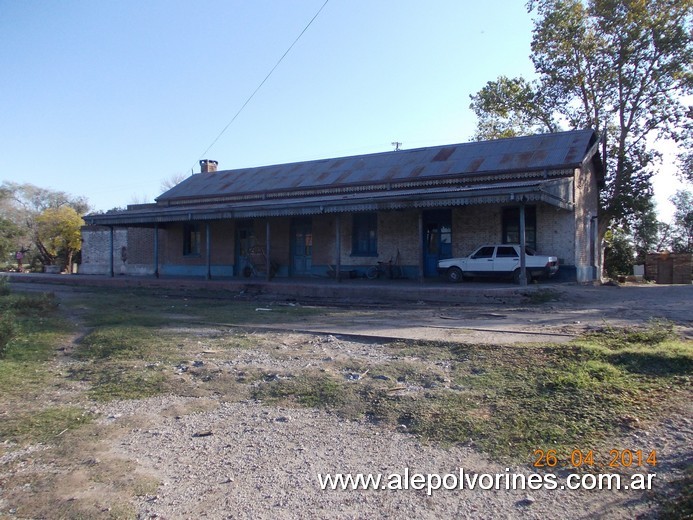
(8, 330)
(4, 285)
(508, 401)
(43, 425)
(309, 389)
(615, 338)
(15, 308)
(543, 295)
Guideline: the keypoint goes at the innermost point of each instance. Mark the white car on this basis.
(498, 260)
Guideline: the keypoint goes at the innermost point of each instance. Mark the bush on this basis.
(619, 254)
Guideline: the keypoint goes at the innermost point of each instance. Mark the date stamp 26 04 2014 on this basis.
(587, 459)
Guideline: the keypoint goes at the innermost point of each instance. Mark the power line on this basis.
(262, 83)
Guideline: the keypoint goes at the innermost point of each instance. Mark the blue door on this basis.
(301, 246)
(437, 239)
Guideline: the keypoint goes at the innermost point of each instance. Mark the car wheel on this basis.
(455, 275)
(516, 276)
(372, 273)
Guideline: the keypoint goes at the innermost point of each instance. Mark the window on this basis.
(511, 226)
(484, 252)
(365, 235)
(506, 252)
(191, 239)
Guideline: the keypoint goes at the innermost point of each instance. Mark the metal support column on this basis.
(156, 250)
(268, 253)
(523, 244)
(338, 246)
(209, 251)
(111, 270)
(421, 246)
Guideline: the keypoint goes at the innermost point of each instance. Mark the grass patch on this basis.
(508, 401)
(43, 425)
(28, 304)
(124, 343)
(312, 389)
(543, 295)
(37, 328)
(125, 363)
(141, 307)
(110, 381)
(19, 312)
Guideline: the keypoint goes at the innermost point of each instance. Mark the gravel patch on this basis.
(246, 460)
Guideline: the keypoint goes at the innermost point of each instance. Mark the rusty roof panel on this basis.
(531, 153)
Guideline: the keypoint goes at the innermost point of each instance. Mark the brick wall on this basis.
(666, 268)
(397, 231)
(140, 251)
(586, 195)
(172, 261)
(473, 226)
(96, 249)
(555, 233)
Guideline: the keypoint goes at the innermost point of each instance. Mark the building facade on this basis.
(340, 216)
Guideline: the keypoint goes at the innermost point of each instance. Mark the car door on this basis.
(481, 260)
(507, 259)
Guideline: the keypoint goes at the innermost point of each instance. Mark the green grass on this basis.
(43, 425)
(141, 307)
(507, 401)
(312, 389)
(38, 329)
(25, 377)
(109, 381)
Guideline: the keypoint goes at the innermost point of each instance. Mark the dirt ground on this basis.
(555, 313)
(211, 458)
(560, 313)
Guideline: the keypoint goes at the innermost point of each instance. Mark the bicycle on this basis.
(392, 269)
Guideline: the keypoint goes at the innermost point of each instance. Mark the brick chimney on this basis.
(208, 166)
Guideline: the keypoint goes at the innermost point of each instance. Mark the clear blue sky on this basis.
(108, 99)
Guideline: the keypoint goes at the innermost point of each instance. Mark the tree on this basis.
(172, 181)
(8, 234)
(59, 233)
(510, 108)
(621, 67)
(648, 232)
(21, 204)
(682, 227)
(619, 254)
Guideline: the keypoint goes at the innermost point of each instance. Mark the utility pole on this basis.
(397, 145)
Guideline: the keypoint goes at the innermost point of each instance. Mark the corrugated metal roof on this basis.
(534, 190)
(538, 152)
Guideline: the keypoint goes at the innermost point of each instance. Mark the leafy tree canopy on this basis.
(682, 229)
(22, 204)
(621, 67)
(8, 234)
(59, 231)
